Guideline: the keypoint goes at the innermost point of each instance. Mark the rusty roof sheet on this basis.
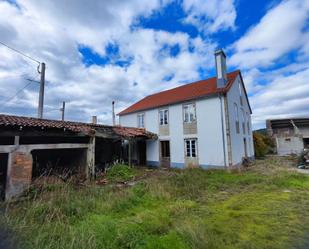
(75, 127)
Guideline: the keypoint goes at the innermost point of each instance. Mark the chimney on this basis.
(94, 119)
(221, 68)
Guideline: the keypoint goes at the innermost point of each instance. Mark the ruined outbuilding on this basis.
(291, 135)
(31, 147)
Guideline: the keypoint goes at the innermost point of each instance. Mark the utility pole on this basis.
(113, 113)
(42, 86)
(62, 110)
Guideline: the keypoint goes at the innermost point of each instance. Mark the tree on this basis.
(260, 147)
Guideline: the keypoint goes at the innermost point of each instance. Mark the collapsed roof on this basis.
(288, 122)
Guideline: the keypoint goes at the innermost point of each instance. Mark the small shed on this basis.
(291, 135)
(31, 147)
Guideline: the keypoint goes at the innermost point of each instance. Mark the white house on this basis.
(205, 123)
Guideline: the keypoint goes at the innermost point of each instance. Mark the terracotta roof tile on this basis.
(182, 93)
(76, 127)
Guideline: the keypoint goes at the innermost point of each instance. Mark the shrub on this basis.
(120, 173)
(263, 144)
(260, 147)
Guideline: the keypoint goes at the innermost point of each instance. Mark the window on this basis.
(189, 113)
(190, 146)
(163, 116)
(236, 117)
(140, 121)
(240, 93)
(243, 121)
(248, 124)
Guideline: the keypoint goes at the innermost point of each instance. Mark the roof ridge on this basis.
(191, 83)
(212, 89)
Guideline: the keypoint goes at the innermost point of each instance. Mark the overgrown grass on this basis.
(263, 207)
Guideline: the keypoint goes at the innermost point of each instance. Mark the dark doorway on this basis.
(165, 153)
(59, 162)
(141, 150)
(3, 173)
(107, 151)
(306, 143)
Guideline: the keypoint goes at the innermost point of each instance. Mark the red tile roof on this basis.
(182, 93)
(75, 127)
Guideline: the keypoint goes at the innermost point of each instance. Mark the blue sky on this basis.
(124, 50)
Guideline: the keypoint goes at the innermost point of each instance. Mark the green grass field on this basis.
(266, 206)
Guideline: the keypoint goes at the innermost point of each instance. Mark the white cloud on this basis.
(283, 96)
(277, 33)
(52, 33)
(210, 16)
(274, 58)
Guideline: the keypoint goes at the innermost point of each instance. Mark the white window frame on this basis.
(189, 151)
(141, 120)
(163, 117)
(189, 110)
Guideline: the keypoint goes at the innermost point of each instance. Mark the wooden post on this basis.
(16, 140)
(90, 171)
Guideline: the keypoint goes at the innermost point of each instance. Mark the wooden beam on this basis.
(30, 147)
(7, 148)
(33, 133)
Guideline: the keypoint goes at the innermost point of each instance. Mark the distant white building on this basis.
(291, 135)
(205, 123)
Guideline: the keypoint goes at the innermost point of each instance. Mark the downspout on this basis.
(223, 130)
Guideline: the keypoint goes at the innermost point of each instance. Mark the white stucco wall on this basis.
(289, 145)
(210, 136)
(209, 133)
(176, 135)
(237, 140)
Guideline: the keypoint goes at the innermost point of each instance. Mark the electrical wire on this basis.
(21, 53)
(18, 92)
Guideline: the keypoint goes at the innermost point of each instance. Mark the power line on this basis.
(18, 92)
(21, 53)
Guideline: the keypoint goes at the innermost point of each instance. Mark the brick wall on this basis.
(19, 173)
